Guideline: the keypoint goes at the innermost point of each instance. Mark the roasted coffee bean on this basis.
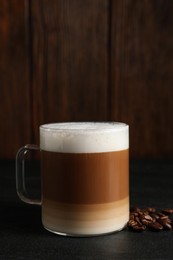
(138, 221)
(132, 223)
(161, 221)
(146, 213)
(145, 222)
(139, 228)
(155, 226)
(160, 214)
(164, 217)
(151, 210)
(134, 214)
(134, 209)
(167, 211)
(131, 217)
(165, 224)
(168, 221)
(154, 216)
(141, 214)
(148, 217)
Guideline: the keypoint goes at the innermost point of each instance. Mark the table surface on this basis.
(23, 237)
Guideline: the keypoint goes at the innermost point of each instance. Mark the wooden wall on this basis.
(73, 60)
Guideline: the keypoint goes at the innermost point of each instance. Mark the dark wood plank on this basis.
(14, 90)
(141, 74)
(70, 60)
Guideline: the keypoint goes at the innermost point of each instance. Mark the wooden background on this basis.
(79, 60)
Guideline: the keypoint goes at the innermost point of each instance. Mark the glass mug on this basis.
(84, 177)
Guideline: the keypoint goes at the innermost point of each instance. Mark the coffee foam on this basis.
(86, 137)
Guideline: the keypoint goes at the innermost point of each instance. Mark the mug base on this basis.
(84, 235)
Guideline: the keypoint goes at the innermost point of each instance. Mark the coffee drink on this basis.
(85, 184)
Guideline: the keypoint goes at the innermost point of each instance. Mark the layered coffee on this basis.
(85, 184)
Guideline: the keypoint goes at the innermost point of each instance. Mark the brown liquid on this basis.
(85, 178)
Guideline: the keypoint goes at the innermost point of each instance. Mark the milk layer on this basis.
(94, 219)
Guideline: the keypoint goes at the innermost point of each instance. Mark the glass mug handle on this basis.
(20, 173)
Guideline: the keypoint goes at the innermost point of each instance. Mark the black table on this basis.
(23, 237)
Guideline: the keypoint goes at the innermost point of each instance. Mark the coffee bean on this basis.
(145, 222)
(138, 221)
(132, 223)
(154, 216)
(131, 217)
(146, 213)
(148, 217)
(167, 226)
(167, 211)
(141, 214)
(135, 214)
(152, 210)
(134, 209)
(139, 228)
(160, 214)
(168, 221)
(164, 217)
(155, 226)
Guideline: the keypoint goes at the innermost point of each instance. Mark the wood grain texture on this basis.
(70, 60)
(63, 60)
(14, 90)
(141, 74)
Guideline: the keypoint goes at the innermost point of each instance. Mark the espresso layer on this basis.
(88, 178)
(85, 219)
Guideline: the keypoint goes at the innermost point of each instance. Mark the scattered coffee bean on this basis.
(135, 214)
(155, 226)
(160, 214)
(168, 220)
(152, 210)
(167, 211)
(132, 223)
(164, 217)
(134, 209)
(167, 226)
(144, 221)
(139, 228)
(149, 218)
(154, 216)
(138, 221)
(141, 214)
(132, 217)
